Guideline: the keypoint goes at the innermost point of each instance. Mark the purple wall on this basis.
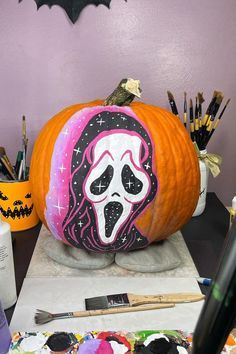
(46, 63)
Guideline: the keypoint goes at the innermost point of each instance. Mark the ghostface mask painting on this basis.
(111, 183)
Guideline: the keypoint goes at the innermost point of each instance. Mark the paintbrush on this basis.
(42, 317)
(200, 102)
(206, 119)
(3, 153)
(7, 169)
(172, 103)
(215, 107)
(24, 147)
(196, 122)
(192, 133)
(119, 300)
(6, 164)
(209, 125)
(208, 112)
(217, 121)
(185, 109)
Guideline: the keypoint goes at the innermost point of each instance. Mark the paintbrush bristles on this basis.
(172, 103)
(42, 317)
(200, 97)
(99, 302)
(170, 96)
(219, 98)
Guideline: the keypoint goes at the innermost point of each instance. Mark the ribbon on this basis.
(212, 161)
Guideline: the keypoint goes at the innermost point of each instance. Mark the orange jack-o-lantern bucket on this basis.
(16, 205)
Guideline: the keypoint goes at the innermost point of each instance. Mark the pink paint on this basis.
(95, 346)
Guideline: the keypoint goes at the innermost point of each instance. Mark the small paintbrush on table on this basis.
(42, 317)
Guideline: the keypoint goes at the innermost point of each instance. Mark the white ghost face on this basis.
(116, 181)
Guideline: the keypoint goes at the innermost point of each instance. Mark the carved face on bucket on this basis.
(110, 184)
(12, 207)
(116, 182)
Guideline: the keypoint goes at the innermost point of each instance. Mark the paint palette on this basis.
(143, 342)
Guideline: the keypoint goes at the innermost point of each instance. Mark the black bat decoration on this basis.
(73, 8)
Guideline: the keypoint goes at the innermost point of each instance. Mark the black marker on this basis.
(219, 312)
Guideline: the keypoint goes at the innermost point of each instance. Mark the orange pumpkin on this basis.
(110, 179)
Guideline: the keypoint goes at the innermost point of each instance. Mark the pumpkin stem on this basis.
(124, 94)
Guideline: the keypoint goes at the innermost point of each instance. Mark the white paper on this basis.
(65, 294)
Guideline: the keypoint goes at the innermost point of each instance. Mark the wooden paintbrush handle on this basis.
(7, 167)
(136, 300)
(120, 310)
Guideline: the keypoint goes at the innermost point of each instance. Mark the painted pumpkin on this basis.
(111, 178)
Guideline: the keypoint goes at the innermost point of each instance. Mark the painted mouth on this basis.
(17, 212)
(112, 213)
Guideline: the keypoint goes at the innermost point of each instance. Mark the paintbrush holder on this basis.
(16, 205)
(204, 174)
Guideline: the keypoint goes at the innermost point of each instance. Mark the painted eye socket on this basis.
(28, 195)
(3, 196)
(131, 183)
(102, 183)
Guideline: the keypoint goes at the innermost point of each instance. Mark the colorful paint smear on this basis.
(109, 342)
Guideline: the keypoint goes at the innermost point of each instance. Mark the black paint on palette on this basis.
(160, 346)
(61, 341)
